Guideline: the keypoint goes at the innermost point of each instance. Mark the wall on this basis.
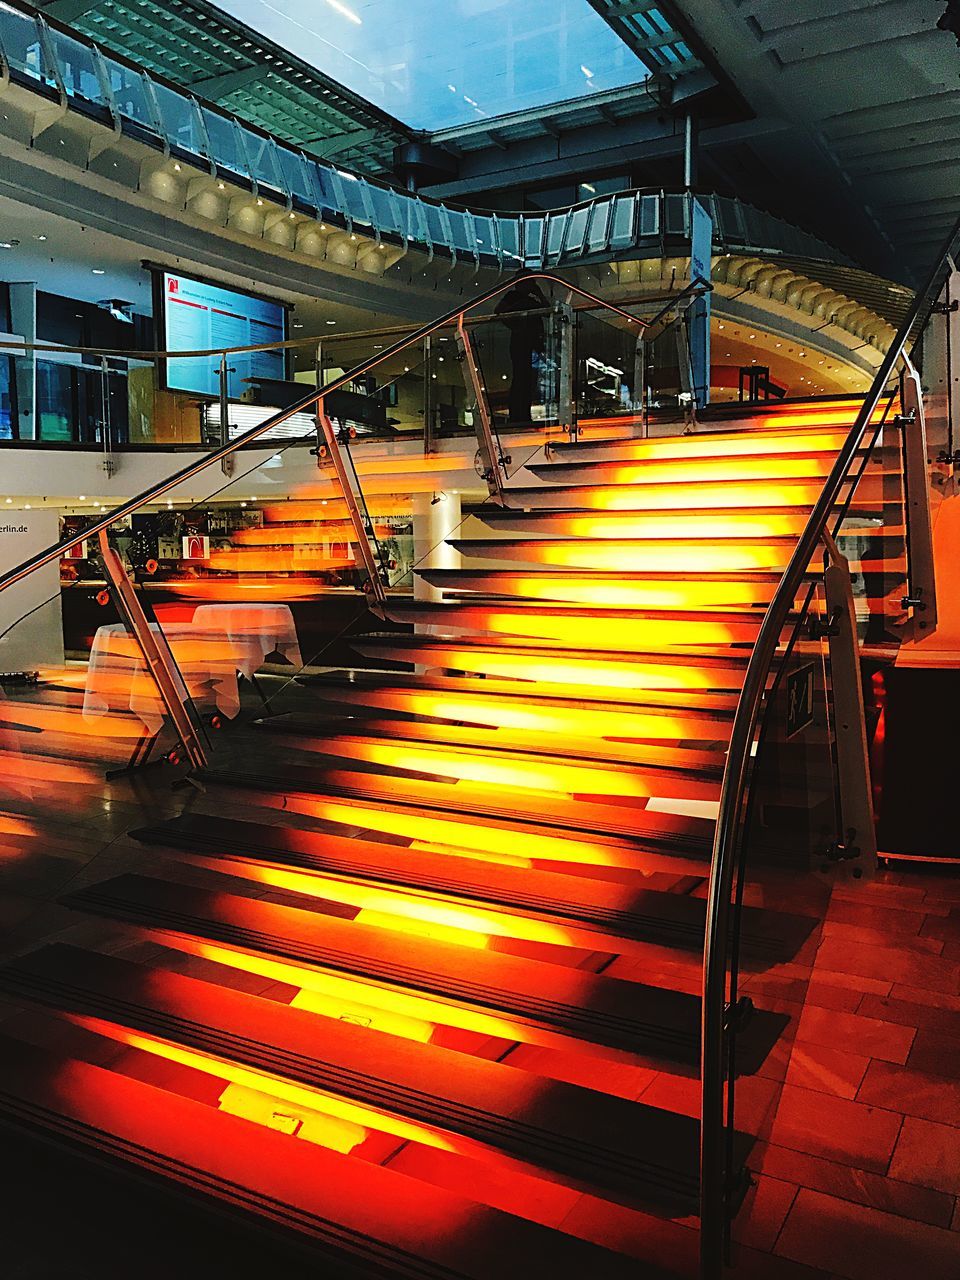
(38, 639)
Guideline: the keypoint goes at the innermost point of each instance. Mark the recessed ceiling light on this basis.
(39, 237)
(221, 186)
(9, 244)
(9, 500)
(28, 506)
(99, 271)
(176, 168)
(83, 497)
(331, 322)
(260, 203)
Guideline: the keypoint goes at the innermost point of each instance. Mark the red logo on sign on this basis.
(195, 548)
(174, 286)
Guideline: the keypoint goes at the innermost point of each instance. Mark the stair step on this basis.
(636, 555)
(632, 833)
(500, 657)
(758, 524)
(629, 1151)
(668, 497)
(620, 588)
(708, 444)
(341, 1211)
(537, 708)
(606, 1013)
(660, 912)
(811, 466)
(495, 763)
(622, 630)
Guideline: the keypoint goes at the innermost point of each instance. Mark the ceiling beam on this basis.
(68, 11)
(216, 88)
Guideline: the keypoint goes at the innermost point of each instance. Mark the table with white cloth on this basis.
(118, 679)
(252, 632)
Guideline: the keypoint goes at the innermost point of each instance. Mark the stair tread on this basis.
(350, 1212)
(608, 1012)
(622, 826)
(631, 1149)
(658, 911)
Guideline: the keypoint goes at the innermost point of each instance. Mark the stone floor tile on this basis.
(875, 1190)
(936, 1054)
(911, 1013)
(915, 1093)
(853, 1033)
(835, 1128)
(929, 1154)
(828, 1070)
(763, 1213)
(864, 1244)
(933, 972)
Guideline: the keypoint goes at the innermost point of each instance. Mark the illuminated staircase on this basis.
(424, 995)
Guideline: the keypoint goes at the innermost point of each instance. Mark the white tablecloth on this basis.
(252, 631)
(118, 680)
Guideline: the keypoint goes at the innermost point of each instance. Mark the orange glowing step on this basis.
(679, 470)
(692, 523)
(748, 494)
(659, 910)
(690, 555)
(514, 768)
(622, 630)
(277, 559)
(313, 534)
(606, 751)
(516, 992)
(558, 709)
(815, 439)
(567, 1133)
(298, 1192)
(516, 660)
(633, 833)
(618, 588)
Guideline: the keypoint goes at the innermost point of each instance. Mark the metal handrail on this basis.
(735, 783)
(313, 398)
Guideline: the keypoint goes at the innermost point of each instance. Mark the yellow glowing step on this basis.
(668, 497)
(586, 668)
(825, 438)
(614, 629)
(635, 555)
(712, 525)
(621, 589)
(678, 470)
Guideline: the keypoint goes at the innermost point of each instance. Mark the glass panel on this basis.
(622, 234)
(9, 417)
(510, 238)
(295, 173)
(649, 215)
(434, 223)
(461, 230)
(533, 229)
(597, 235)
(675, 215)
(607, 367)
(486, 232)
(261, 160)
(181, 120)
(224, 142)
(78, 67)
(21, 43)
(555, 228)
(130, 94)
(385, 214)
(351, 196)
(577, 229)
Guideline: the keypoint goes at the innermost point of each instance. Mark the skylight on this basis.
(437, 64)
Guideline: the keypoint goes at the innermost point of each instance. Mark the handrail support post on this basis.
(377, 588)
(156, 655)
(850, 727)
(916, 479)
(491, 458)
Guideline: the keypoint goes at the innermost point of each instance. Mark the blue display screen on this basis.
(200, 317)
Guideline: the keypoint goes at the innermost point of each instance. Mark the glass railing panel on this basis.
(298, 176)
(461, 229)
(384, 208)
(599, 226)
(609, 367)
(225, 143)
(78, 68)
(510, 232)
(20, 40)
(434, 223)
(576, 230)
(77, 700)
(486, 235)
(676, 215)
(533, 238)
(261, 161)
(649, 217)
(180, 117)
(132, 97)
(623, 232)
(556, 227)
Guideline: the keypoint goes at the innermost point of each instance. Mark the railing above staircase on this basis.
(783, 625)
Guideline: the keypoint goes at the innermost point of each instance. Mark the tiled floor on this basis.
(858, 1164)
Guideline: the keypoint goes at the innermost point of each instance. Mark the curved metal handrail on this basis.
(734, 787)
(313, 398)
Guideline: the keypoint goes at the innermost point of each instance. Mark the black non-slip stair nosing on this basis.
(514, 646)
(566, 1154)
(610, 1030)
(685, 844)
(636, 924)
